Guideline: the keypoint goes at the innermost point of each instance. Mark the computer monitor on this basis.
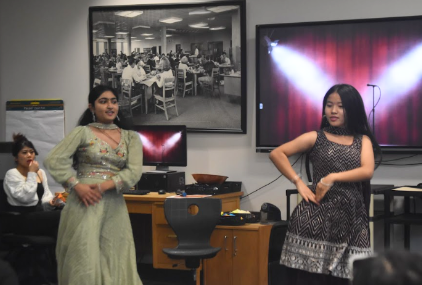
(163, 145)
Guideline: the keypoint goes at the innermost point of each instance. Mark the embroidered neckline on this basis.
(103, 126)
(338, 131)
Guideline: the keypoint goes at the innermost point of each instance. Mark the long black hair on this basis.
(86, 118)
(356, 122)
(19, 142)
(354, 113)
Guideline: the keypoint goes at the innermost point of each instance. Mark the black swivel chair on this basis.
(193, 227)
(32, 257)
(276, 272)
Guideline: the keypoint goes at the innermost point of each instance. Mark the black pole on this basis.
(373, 110)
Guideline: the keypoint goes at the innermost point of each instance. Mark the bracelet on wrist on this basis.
(295, 178)
(99, 188)
(325, 184)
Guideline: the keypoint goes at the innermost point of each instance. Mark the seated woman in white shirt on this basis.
(28, 193)
(183, 65)
(119, 64)
(167, 73)
(140, 69)
(132, 72)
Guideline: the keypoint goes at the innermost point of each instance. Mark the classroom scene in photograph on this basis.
(171, 65)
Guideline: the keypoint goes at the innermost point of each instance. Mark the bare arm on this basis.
(279, 157)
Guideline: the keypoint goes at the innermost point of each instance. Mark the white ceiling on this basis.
(107, 23)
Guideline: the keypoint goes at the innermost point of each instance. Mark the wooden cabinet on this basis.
(243, 258)
(162, 235)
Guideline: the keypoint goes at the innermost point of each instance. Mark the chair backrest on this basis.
(215, 72)
(167, 82)
(4, 205)
(181, 74)
(7, 222)
(167, 86)
(97, 82)
(126, 85)
(192, 230)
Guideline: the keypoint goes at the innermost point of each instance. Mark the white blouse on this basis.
(164, 75)
(23, 192)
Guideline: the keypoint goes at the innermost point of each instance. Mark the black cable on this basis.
(281, 175)
(400, 158)
(407, 164)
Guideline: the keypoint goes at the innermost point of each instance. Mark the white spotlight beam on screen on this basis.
(305, 74)
(399, 78)
(145, 142)
(173, 140)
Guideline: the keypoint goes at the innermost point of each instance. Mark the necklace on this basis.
(338, 131)
(103, 126)
(107, 135)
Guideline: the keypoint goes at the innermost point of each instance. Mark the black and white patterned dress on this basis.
(321, 239)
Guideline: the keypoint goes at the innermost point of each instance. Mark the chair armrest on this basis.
(9, 214)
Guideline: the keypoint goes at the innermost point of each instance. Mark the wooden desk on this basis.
(162, 235)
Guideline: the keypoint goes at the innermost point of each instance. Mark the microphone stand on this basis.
(373, 110)
(373, 107)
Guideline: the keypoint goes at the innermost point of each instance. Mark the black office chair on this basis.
(193, 227)
(276, 272)
(32, 257)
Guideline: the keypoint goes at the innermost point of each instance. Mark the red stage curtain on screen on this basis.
(353, 53)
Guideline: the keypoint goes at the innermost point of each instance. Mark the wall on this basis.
(44, 53)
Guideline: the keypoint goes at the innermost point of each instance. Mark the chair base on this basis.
(192, 262)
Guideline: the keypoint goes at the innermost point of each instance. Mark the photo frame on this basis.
(204, 46)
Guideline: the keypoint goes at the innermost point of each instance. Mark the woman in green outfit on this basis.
(95, 163)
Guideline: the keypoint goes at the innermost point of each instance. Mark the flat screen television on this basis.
(298, 62)
(163, 145)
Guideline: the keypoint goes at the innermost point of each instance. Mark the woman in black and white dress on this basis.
(331, 223)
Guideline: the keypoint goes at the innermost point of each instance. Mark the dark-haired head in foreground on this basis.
(389, 268)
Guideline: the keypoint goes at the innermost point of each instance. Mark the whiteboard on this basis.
(42, 122)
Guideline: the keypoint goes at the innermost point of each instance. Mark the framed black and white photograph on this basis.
(177, 64)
